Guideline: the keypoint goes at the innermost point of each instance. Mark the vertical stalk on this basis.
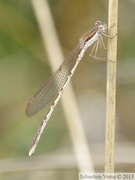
(111, 87)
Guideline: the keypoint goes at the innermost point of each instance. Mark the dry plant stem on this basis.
(111, 87)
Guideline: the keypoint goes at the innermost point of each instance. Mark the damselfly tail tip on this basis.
(31, 151)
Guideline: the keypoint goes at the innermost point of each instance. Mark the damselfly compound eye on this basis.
(98, 23)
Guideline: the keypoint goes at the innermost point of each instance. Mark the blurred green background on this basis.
(24, 66)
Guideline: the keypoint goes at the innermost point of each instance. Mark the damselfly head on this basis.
(100, 26)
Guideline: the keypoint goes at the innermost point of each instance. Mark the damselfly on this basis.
(58, 81)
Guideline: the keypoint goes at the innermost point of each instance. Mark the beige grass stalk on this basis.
(55, 55)
(111, 87)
